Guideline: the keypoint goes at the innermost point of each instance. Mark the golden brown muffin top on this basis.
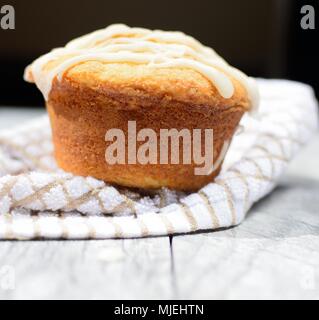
(156, 62)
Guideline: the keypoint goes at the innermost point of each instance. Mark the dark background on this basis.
(261, 37)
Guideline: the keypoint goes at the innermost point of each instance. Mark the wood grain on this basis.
(114, 269)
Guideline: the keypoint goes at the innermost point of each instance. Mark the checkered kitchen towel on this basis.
(38, 200)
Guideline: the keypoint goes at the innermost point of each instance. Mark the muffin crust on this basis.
(85, 104)
(160, 80)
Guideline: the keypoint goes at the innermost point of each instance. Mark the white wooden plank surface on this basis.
(114, 269)
(10, 117)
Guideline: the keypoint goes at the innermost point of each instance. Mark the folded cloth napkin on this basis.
(38, 200)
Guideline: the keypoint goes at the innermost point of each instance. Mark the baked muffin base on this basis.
(81, 115)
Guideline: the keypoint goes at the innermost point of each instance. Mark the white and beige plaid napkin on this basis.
(38, 200)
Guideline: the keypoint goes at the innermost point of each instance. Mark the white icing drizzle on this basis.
(157, 49)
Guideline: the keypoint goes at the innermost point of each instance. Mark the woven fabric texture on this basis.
(38, 200)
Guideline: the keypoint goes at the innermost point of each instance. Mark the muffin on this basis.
(159, 80)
